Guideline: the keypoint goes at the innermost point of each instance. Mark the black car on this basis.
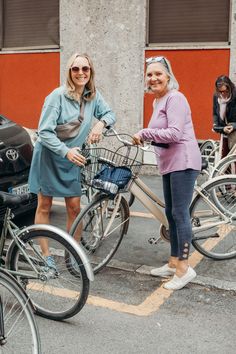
(16, 148)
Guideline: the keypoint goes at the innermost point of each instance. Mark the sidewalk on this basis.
(136, 254)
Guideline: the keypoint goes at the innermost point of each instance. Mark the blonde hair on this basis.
(90, 85)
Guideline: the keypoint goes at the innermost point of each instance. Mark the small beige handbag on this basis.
(71, 129)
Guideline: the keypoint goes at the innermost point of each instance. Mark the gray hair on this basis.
(173, 83)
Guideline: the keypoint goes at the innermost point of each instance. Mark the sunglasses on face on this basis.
(157, 60)
(76, 69)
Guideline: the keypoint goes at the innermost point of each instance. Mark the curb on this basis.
(199, 280)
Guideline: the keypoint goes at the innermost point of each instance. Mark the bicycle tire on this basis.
(21, 332)
(217, 238)
(225, 167)
(98, 247)
(59, 294)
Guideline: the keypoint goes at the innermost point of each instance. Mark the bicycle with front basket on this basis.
(58, 292)
(105, 221)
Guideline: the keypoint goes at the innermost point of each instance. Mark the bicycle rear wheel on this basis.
(102, 225)
(214, 219)
(57, 293)
(18, 329)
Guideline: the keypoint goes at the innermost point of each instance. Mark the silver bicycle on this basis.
(227, 165)
(57, 291)
(18, 329)
(105, 221)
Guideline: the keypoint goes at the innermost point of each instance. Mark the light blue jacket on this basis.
(60, 108)
(51, 173)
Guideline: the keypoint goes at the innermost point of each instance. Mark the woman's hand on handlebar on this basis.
(75, 157)
(96, 133)
(137, 140)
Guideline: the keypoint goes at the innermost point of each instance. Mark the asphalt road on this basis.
(128, 311)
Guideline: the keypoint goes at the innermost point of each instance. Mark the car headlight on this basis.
(33, 135)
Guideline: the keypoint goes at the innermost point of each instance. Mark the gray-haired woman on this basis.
(171, 123)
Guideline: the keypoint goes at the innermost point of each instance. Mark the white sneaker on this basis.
(164, 271)
(177, 283)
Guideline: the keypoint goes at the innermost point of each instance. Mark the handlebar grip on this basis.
(162, 145)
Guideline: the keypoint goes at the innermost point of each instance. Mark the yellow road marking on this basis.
(150, 304)
(153, 302)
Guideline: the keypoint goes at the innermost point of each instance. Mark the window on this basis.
(29, 24)
(188, 21)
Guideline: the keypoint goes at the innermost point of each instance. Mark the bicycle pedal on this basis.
(153, 240)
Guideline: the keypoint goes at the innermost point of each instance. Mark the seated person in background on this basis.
(224, 112)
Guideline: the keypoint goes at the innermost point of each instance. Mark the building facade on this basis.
(199, 38)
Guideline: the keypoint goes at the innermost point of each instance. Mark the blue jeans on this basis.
(178, 191)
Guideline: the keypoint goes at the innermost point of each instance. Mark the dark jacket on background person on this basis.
(218, 123)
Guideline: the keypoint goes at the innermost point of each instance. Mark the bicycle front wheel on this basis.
(213, 216)
(18, 330)
(101, 226)
(57, 290)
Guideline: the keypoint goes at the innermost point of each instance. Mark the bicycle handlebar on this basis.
(129, 143)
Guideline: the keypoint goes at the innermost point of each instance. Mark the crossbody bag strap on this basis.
(81, 114)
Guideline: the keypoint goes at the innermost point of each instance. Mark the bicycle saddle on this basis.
(11, 200)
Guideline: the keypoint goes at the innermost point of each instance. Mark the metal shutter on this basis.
(188, 21)
(29, 24)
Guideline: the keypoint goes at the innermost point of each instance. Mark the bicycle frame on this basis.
(152, 203)
(144, 194)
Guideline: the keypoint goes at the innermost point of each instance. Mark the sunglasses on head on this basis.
(76, 69)
(157, 60)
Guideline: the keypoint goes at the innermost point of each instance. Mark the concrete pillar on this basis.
(112, 32)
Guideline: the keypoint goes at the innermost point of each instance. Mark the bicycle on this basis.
(227, 165)
(215, 165)
(18, 329)
(105, 220)
(58, 291)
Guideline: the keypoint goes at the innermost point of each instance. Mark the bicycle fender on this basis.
(67, 237)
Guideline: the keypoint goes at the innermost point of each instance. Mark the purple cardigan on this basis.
(171, 123)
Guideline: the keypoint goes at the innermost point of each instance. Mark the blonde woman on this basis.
(66, 120)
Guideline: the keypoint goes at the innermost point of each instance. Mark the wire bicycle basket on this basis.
(111, 171)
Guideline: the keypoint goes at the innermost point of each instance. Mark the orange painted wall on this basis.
(25, 81)
(196, 71)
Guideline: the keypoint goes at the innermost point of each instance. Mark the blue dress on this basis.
(51, 173)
